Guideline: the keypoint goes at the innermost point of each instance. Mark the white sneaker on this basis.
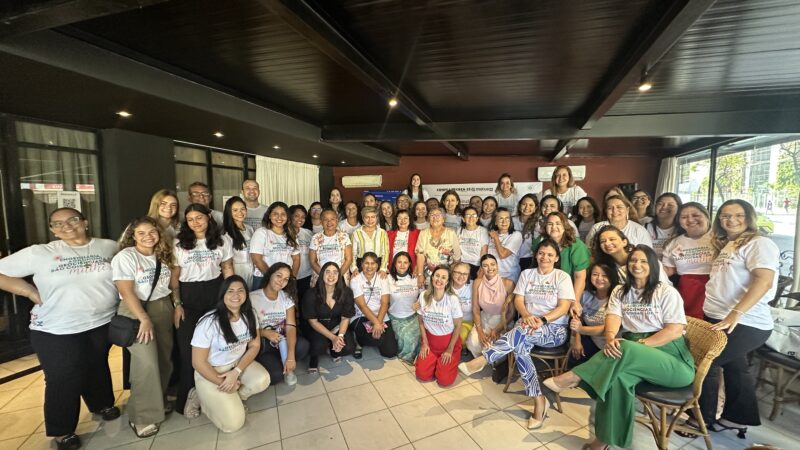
(192, 408)
(291, 378)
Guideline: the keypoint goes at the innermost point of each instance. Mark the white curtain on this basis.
(287, 181)
(667, 176)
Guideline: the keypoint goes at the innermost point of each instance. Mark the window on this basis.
(58, 167)
(223, 172)
(693, 177)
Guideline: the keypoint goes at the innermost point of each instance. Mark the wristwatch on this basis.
(543, 319)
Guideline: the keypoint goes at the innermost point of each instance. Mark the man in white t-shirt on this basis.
(255, 210)
(199, 193)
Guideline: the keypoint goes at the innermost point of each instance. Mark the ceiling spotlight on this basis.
(392, 102)
(566, 156)
(124, 114)
(315, 156)
(276, 147)
(344, 162)
(219, 134)
(645, 84)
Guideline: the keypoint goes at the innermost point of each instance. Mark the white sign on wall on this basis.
(69, 199)
(546, 173)
(467, 190)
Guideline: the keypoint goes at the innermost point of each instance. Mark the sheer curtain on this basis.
(667, 176)
(286, 181)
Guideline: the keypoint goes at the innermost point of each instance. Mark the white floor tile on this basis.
(465, 403)
(199, 438)
(500, 431)
(356, 401)
(305, 415)
(376, 430)
(455, 438)
(343, 376)
(20, 423)
(308, 385)
(400, 389)
(422, 418)
(260, 428)
(328, 438)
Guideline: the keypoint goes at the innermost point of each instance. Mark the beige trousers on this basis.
(226, 409)
(488, 321)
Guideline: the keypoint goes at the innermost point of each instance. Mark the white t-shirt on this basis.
(542, 292)
(329, 248)
(220, 352)
(272, 247)
(200, 263)
(593, 314)
(622, 273)
(316, 229)
(509, 203)
(666, 306)
(271, 313)
(689, 256)
(303, 241)
(422, 226)
(635, 233)
(452, 221)
(372, 292)
(659, 237)
(509, 266)
(404, 293)
(583, 229)
(401, 243)
(415, 198)
(74, 283)
(255, 216)
(471, 243)
(485, 222)
(465, 298)
(243, 256)
(525, 250)
(217, 216)
(731, 278)
(347, 228)
(129, 264)
(439, 315)
(568, 199)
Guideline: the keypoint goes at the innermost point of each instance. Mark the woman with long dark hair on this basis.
(297, 216)
(224, 347)
(203, 257)
(650, 314)
(585, 214)
(439, 323)
(403, 237)
(372, 326)
(403, 294)
(451, 204)
(504, 244)
(352, 218)
(275, 241)
(415, 190)
(611, 247)
(589, 327)
(328, 308)
(335, 202)
(233, 224)
(662, 227)
(526, 211)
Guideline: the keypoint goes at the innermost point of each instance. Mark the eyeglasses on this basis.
(316, 209)
(463, 274)
(59, 224)
(639, 197)
(503, 219)
(470, 216)
(732, 216)
(200, 195)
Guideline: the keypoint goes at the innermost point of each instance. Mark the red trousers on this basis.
(431, 367)
(693, 290)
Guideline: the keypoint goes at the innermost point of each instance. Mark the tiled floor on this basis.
(369, 404)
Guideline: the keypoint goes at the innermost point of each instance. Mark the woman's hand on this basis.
(146, 332)
(289, 366)
(728, 323)
(230, 381)
(577, 350)
(493, 234)
(575, 325)
(446, 356)
(337, 343)
(576, 309)
(416, 306)
(612, 349)
(33, 295)
(272, 335)
(178, 316)
(382, 274)
(532, 322)
(354, 274)
(420, 281)
(424, 350)
(377, 329)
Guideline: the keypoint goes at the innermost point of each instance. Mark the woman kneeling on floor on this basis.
(224, 345)
(439, 323)
(653, 349)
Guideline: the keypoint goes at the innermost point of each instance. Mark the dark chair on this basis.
(554, 360)
(784, 370)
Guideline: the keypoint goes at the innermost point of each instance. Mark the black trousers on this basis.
(270, 358)
(198, 298)
(320, 345)
(75, 366)
(589, 349)
(387, 344)
(741, 404)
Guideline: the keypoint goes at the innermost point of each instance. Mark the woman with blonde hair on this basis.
(506, 193)
(164, 209)
(141, 272)
(562, 185)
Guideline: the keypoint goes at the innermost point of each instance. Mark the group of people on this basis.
(244, 293)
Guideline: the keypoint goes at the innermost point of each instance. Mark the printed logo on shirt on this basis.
(722, 263)
(640, 312)
(242, 339)
(202, 257)
(81, 264)
(272, 319)
(145, 276)
(694, 255)
(434, 317)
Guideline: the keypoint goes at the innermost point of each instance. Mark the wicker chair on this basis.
(705, 345)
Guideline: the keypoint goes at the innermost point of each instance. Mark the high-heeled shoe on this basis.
(589, 447)
(553, 386)
(463, 368)
(741, 431)
(535, 424)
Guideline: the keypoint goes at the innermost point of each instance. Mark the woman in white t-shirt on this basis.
(543, 297)
(652, 349)
(164, 208)
(743, 280)
(352, 220)
(297, 216)
(371, 323)
(335, 203)
(588, 330)
(473, 240)
(313, 222)
(642, 203)
(415, 189)
(562, 185)
(224, 347)
(275, 241)
(526, 212)
(274, 305)
(203, 256)
(585, 215)
(662, 227)
(451, 205)
(690, 254)
(74, 299)
(506, 194)
(621, 214)
(134, 269)
(403, 202)
(462, 286)
(420, 216)
(403, 294)
(504, 244)
(331, 245)
(439, 317)
(488, 208)
(386, 216)
(613, 248)
(233, 224)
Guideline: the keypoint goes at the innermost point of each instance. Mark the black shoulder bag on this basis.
(122, 330)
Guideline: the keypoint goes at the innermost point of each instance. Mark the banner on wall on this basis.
(483, 190)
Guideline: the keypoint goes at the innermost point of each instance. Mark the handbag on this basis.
(122, 330)
(785, 337)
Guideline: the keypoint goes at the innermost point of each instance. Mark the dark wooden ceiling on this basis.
(472, 77)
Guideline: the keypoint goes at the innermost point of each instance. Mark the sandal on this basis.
(146, 432)
(69, 442)
(691, 423)
(358, 354)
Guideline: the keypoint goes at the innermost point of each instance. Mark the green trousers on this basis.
(611, 382)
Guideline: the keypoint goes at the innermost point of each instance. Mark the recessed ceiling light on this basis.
(392, 102)
(566, 156)
(219, 134)
(276, 147)
(124, 114)
(344, 162)
(315, 156)
(646, 86)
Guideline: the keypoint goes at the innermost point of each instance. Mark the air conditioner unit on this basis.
(362, 181)
(545, 174)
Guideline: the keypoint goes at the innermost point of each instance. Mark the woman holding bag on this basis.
(141, 271)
